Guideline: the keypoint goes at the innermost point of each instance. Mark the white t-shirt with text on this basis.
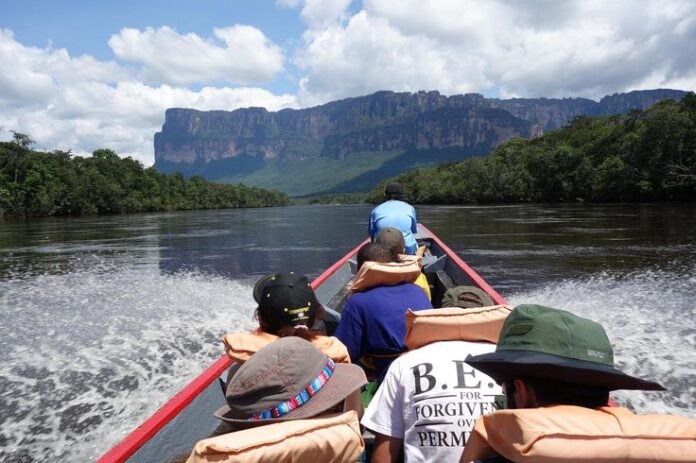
(431, 399)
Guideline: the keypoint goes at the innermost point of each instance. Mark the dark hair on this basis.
(392, 238)
(394, 191)
(375, 252)
(290, 330)
(550, 392)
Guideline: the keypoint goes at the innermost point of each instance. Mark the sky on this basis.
(83, 75)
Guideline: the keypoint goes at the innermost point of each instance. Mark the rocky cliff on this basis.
(227, 144)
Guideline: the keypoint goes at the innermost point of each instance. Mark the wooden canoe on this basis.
(171, 432)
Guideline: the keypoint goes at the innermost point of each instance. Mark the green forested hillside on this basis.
(641, 156)
(35, 183)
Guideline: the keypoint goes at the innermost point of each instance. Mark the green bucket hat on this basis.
(546, 343)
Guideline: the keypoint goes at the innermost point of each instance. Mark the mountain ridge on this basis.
(258, 147)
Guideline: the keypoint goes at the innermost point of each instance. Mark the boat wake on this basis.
(90, 355)
(650, 317)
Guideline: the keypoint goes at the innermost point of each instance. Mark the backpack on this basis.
(466, 297)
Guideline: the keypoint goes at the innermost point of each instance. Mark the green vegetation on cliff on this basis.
(640, 156)
(34, 183)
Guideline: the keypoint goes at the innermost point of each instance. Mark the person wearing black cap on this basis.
(394, 212)
(557, 370)
(287, 306)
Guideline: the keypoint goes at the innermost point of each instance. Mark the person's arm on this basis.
(371, 226)
(387, 449)
(385, 417)
(414, 221)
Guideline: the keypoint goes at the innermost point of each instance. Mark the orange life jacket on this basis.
(454, 324)
(411, 258)
(334, 438)
(565, 433)
(373, 274)
(240, 346)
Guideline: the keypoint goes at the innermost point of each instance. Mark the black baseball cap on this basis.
(286, 299)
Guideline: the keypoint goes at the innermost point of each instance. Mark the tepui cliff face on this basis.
(231, 144)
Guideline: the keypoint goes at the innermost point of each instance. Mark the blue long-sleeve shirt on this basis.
(373, 322)
(396, 214)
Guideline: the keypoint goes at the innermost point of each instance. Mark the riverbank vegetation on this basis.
(640, 156)
(35, 183)
(335, 198)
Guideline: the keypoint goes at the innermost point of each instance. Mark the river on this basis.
(104, 318)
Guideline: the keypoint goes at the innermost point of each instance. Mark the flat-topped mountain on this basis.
(351, 144)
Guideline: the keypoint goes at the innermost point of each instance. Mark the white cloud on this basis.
(82, 104)
(369, 54)
(240, 54)
(29, 76)
(533, 48)
(318, 14)
(126, 116)
(536, 48)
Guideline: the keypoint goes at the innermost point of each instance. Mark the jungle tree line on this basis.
(640, 156)
(35, 183)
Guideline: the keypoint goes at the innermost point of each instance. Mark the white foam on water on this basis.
(91, 354)
(650, 317)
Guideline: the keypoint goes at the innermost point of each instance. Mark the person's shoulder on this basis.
(475, 347)
(351, 304)
(399, 364)
(356, 301)
(413, 289)
(398, 289)
(398, 202)
(370, 292)
(445, 348)
(403, 204)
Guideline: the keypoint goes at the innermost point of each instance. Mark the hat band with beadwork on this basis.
(301, 398)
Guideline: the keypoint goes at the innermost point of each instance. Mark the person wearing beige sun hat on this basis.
(289, 402)
(288, 379)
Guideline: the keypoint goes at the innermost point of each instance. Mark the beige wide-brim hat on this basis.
(277, 373)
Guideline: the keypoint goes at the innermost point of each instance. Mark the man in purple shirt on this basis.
(372, 324)
(395, 213)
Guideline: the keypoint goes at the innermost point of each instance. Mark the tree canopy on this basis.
(640, 156)
(35, 183)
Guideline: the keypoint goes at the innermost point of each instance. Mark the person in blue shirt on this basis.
(394, 212)
(373, 322)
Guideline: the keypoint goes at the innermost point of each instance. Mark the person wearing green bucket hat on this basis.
(539, 342)
(557, 370)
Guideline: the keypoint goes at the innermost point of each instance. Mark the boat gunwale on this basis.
(471, 273)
